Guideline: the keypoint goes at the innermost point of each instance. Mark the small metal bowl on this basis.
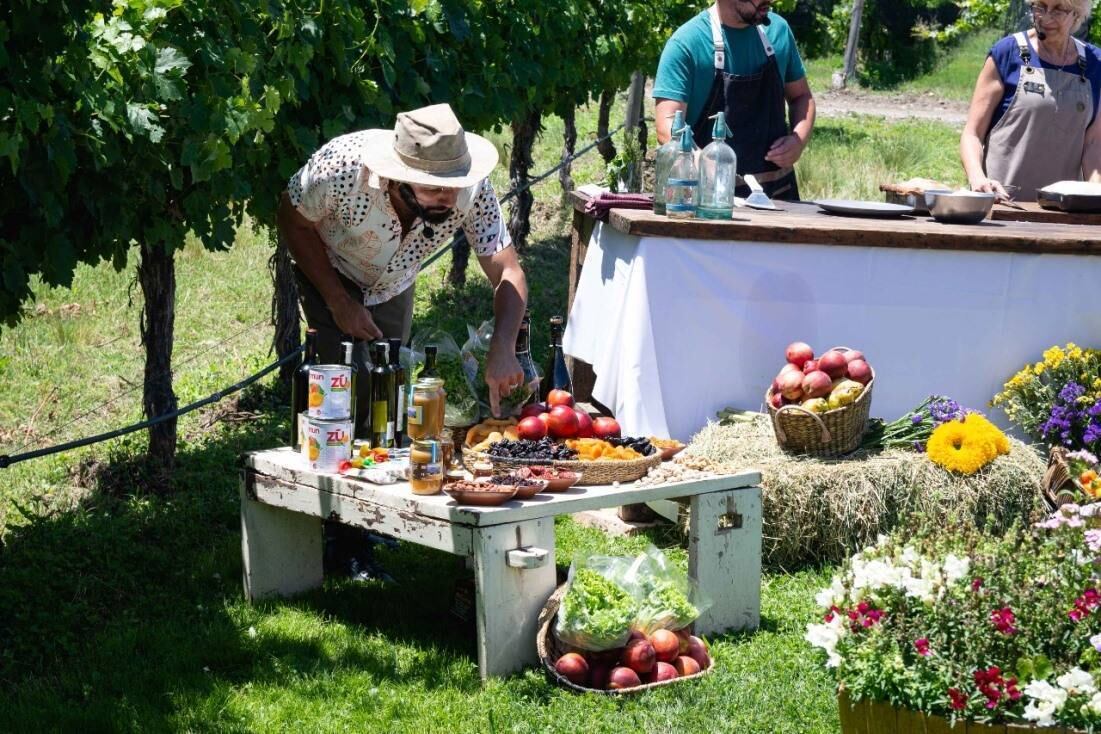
(959, 207)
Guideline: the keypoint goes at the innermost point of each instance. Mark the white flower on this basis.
(1076, 681)
(826, 636)
(956, 568)
(910, 556)
(881, 540)
(833, 596)
(1044, 692)
(875, 574)
(1096, 642)
(1040, 712)
(1094, 705)
(921, 588)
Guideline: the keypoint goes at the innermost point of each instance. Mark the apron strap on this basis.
(764, 42)
(1081, 48)
(717, 38)
(1022, 47)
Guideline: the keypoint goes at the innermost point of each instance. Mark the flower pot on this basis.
(876, 717)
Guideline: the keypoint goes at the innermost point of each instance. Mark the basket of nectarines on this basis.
(644, 662)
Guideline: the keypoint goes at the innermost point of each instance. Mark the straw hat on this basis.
(429, 147)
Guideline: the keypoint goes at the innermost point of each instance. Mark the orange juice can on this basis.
(330, 392)
(327, 444)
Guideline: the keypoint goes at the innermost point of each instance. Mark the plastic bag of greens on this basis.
(475, 353)
(596, 612)
(462, 405)
(665, 597)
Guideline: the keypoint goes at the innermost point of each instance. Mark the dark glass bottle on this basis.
(382, 398)
(527, 364)
(400, 405)
(429, 368)
(557, 376)
(347, 347)
(300, 388)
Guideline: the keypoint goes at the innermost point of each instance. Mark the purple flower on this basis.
(1093, 540)
(943, 410)
(917, 418)
(1071, 392)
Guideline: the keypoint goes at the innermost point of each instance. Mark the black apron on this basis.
(756, 115)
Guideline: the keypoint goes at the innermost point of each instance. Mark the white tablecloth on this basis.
(678, 329)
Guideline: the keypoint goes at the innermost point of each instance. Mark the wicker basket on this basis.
(550, 648)
(1058, 487)
(591, 472)
(833, 433)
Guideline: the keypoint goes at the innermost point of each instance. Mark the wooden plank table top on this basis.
(287, 465)
(511, 547)
(805, 223)
(1033, 212)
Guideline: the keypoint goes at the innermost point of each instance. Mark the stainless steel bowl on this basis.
(959, 207)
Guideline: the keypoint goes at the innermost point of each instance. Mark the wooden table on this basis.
(512, 546)
(1032, 212)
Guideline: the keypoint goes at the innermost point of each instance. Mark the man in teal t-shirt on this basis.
(756, 77)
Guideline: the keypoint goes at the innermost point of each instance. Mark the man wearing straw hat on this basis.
(368, 207)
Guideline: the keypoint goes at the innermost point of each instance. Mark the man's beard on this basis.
(755, 16)
(435, 215)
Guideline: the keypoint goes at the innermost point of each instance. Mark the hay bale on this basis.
(825, 509)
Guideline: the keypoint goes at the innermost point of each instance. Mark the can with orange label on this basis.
(327, 443)
(330, 392)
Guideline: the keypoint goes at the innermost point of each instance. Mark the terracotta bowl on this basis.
(564, 481)
(526, 493)
(481, 497)
(669, 452)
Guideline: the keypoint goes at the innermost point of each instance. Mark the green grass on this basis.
(121, 610)
(850, 157)
(955, 75)
(952, 78)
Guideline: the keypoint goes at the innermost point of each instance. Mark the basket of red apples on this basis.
(820, 405)
(646, 661)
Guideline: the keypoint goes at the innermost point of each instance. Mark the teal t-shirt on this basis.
(687, 66)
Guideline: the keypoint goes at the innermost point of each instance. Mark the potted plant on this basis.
(954, 625)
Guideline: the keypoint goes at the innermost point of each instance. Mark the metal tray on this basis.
(1069, 202)
(855, 208)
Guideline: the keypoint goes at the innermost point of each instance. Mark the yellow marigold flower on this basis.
(1040, 366)
(988, 431)
(1054, 356)
(1074, 352)
(960, 448)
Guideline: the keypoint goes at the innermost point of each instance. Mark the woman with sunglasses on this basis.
(1034, 112)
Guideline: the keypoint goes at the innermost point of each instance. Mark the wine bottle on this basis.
(557, 376)
(523, 356)
(346, 348)
(399, 393)
(382, 398)
(429, 369)
(300, 388)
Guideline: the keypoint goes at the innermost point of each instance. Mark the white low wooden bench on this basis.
(512, 546)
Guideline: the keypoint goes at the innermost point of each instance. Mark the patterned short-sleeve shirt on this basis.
(351, 209)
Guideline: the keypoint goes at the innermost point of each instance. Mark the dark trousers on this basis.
(395, 319)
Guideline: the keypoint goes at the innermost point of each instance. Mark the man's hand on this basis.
(785, 151)
(353, 319)
(990, 186)
(503, 375)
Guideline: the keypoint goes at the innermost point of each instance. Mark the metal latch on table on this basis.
(530, 557)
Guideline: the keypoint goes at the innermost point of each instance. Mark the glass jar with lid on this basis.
(426, 466)
(426, 409)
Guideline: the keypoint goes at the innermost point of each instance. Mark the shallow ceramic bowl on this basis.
(481, 497)
(563, 481)
(669, 452)
(526, 493)
(959, 207)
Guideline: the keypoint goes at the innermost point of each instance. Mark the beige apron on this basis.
(1040, 138)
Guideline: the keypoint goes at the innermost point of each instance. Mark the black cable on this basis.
(460, 236)
(6, 461)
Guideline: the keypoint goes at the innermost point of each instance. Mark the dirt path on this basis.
(891, 106)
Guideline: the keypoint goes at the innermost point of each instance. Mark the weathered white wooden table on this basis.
(512, 546)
